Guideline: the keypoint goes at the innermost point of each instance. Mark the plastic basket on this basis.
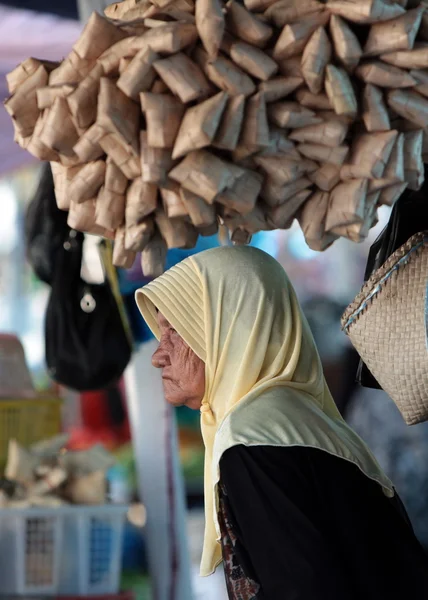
(28, 421)
(67, 551)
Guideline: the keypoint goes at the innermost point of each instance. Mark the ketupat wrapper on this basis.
(295, 36)
(312, 218)
(384, 75)
(279, 87)
(173, 204)
(59, 132)
(88, 146)
(375, 113)
(410, 105)
(111, 201)
(98, 35)
(313, 101)
(87, 182)
(81, 100)
(329, 133)
(340, 91)
(163, 118)
(347, 204)
(274, 194)
(284, 171)
(243, 194)
(62, 176)
(316, 56)
(324, 154)
(204, 173)
(413, 163)
(124, 64)
(141, 201)
(280, 145)
(153, 256)
(291, 115)
(139, 75)
(159, 87)
(168, 39)
(118, 114)
(369, 155)
(394, 170)
(365, 11)
(155, 162)
(346, 46)
(226, 75)
(22, 105)
(183, 77)
(408, 59)
(326, 177)
(121, 155)
(200, 212)
(357, 232)
(246, 26)
(285, 12)
(255, 127)
(396, 34)
(34, 144)
(199, 125)
(122, 10)
(291, 67)
(250, 223)
(210, 23)
(177, 233)
(82, 218)
(73, 69)
(46, 95)
(253, 60)
(282, 216)
(138, 236)
(229, 130)
(23, 71)
(122, 257)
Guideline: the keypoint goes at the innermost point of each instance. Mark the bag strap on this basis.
(106, 252)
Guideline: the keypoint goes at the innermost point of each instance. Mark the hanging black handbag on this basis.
(88, 344)
(45, 228)
(408, 216)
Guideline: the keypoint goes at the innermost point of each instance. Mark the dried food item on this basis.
(170, 117)
(210, 23)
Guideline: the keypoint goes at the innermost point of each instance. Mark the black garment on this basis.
(311, 526)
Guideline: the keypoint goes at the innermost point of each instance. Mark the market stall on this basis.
(291, 127)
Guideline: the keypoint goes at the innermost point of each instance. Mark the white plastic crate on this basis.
(61, 551)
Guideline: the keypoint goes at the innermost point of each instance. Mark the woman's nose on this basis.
(160, 358)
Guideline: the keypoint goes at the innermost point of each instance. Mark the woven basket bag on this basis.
(387, 324)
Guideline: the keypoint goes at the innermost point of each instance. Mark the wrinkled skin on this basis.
(183, 372)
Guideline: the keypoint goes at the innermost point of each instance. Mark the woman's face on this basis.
(183, 372)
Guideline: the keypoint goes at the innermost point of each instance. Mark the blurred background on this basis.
(325, 283)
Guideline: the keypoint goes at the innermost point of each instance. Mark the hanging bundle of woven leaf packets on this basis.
(170, 117)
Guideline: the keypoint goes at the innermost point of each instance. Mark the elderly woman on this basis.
(295, 503)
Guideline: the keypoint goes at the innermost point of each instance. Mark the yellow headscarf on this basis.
(237, 310)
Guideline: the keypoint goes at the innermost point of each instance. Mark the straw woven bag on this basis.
(387, 324)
